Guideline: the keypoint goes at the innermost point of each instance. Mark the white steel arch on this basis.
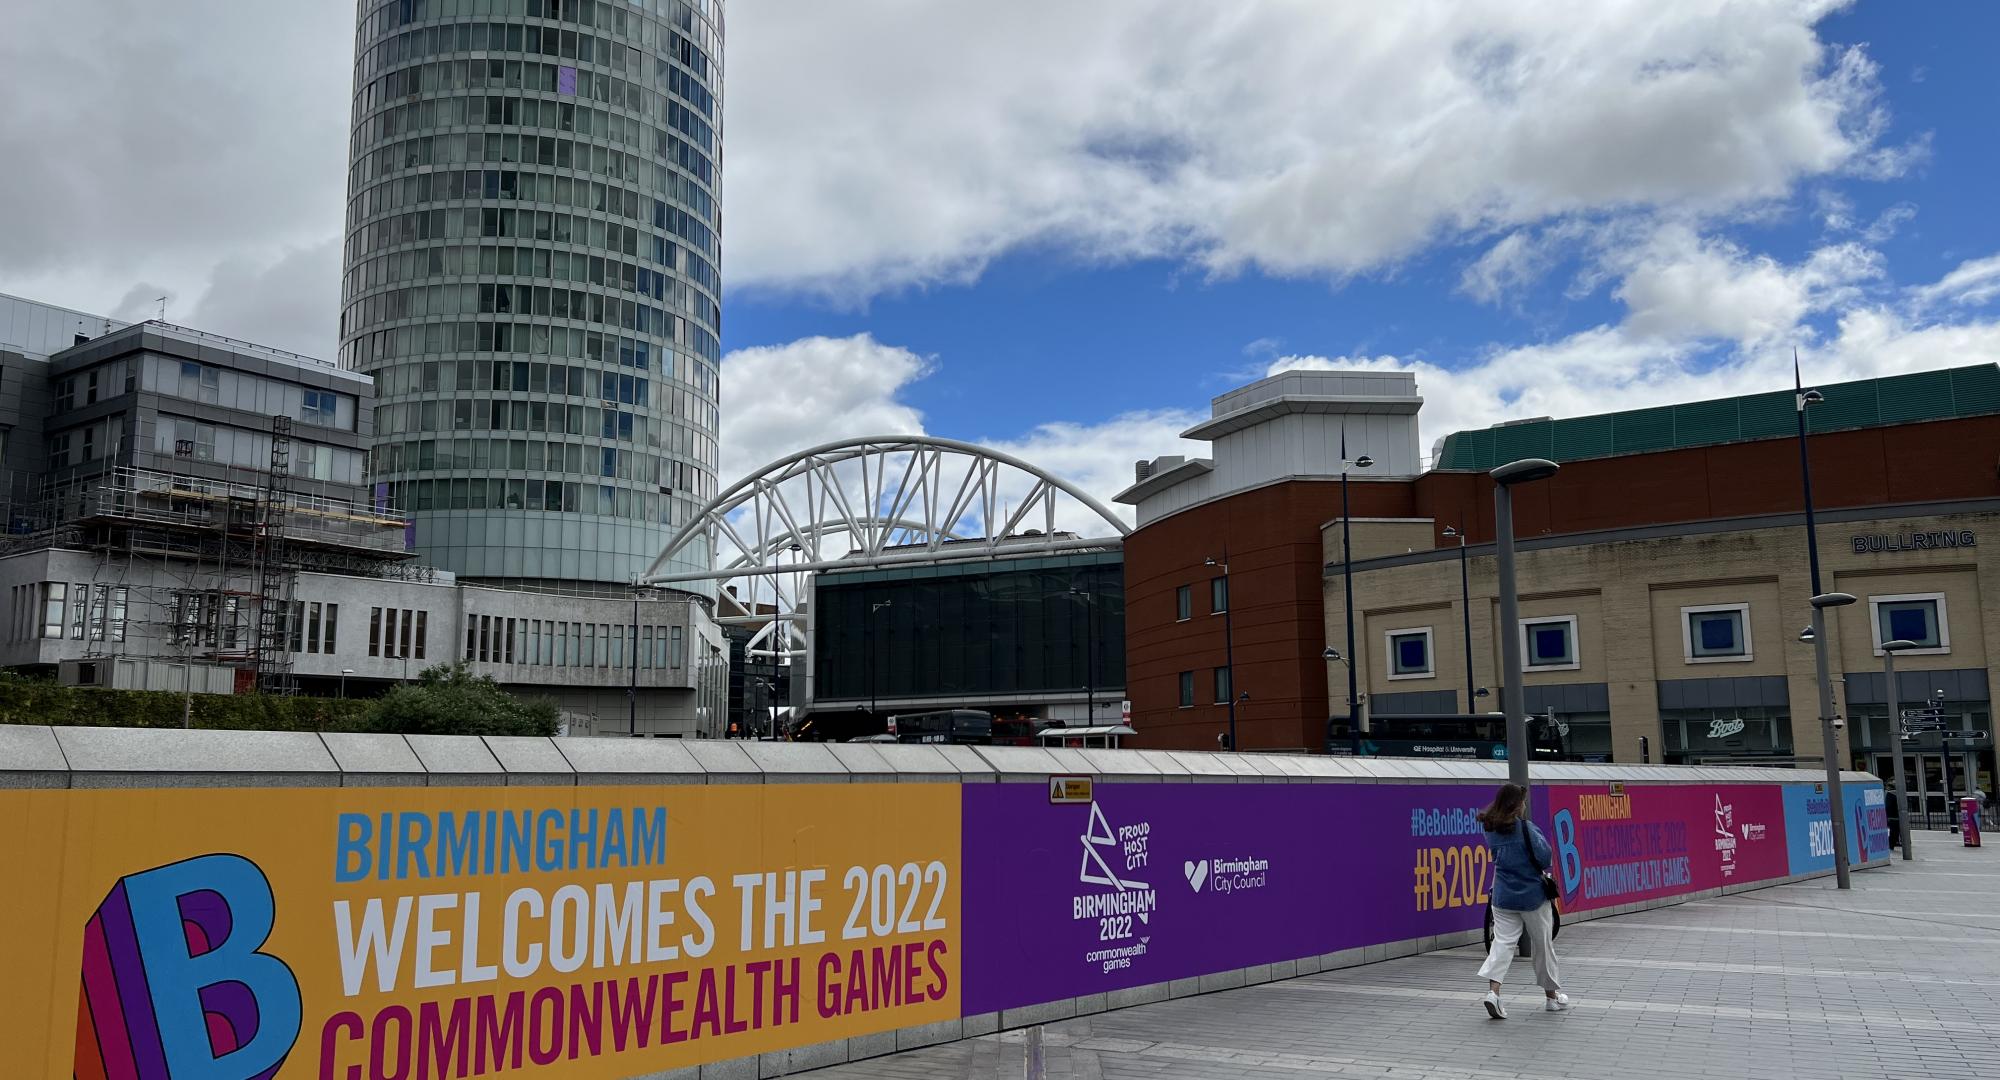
(897, 499)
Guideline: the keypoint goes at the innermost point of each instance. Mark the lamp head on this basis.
(1450, 532)
(1482, 692)
(1210, 561)
(1807, 635)
(1523, 471)
(1833, 599)
(1812, 397)
(1364, 462)
(1898, 645)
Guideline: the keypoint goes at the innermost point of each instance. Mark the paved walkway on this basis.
(1897, 978)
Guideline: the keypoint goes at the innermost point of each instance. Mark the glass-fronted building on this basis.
(1039, 637)
(532, 248)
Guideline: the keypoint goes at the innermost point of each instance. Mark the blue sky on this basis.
(1062, 228)
(1055, 329)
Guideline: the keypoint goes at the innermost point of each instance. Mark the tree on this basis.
(449, 700)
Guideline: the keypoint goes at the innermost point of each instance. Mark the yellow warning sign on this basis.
(1069, 789)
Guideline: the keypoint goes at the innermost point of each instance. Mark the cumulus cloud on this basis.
(1681, 286)
(1291, 135)
(1689, 336)
(780, 399)
(783, 398)
(170, 144)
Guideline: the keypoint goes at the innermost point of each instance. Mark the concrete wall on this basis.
(80, 759)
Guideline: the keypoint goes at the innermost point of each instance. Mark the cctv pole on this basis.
(1829, 737)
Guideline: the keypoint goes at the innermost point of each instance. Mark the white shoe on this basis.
(1558, 1003)
(1492, 1003)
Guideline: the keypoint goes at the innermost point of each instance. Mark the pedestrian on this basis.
(1523, 899)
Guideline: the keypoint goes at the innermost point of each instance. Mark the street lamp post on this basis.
(870, 642)
(1090, 652)
(1465, 595)
(1512, 692)
(1355, 722)
(632, 685)
(1896, 735)
(344, 673)
(1829, 732)
(1228, 636)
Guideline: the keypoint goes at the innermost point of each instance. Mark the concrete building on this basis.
(1255, 507)
(1663, 577)
(531, 275)
(189, 512)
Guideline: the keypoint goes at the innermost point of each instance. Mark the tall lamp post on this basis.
(1896, 735)
(870, 640)
(1228, 636)
(1090, 651)
(1465, 595)
(1355, 722)
(632, 685)
(1514, 696)
(1829, 731)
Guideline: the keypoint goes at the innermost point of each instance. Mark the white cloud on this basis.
(1974, 281)
(784, 398)
(1682, 287)
(158, 149)
(780, 399)
(1670, 351)
(1291, 135)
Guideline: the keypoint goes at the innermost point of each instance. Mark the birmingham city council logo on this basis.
(173, 986)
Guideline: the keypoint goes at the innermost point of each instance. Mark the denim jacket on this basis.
(1517, 884)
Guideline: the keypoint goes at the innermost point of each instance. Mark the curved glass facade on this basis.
(533, 237)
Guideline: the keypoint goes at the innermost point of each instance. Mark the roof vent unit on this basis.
(1142, 471)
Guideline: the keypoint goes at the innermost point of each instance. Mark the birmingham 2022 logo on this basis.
(173, 985)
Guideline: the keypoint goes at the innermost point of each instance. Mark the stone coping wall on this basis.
(453, 906)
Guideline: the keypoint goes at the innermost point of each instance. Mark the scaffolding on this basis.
(192, 569)
(276, 575)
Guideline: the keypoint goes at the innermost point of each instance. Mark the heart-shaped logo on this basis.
(1197, 874)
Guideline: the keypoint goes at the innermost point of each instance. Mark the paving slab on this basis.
(1897, 977)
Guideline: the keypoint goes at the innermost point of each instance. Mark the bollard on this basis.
(1032, 1065)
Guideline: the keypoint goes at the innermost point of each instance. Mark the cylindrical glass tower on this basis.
(531, 275)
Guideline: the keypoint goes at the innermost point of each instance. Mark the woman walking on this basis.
(1523, 899)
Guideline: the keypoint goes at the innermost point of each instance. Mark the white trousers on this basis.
(1507, 929)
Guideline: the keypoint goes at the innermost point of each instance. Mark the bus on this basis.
(961, 726)
(1481, 736)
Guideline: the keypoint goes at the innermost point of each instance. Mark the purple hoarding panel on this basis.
(1153, 882)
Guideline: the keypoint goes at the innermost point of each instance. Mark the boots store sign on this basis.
(1914, 541)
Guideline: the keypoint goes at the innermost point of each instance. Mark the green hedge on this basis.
(40, 701)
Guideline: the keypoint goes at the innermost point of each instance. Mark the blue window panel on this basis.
(1549, 644)
(1411, 656)
(1718, 634)
(1915, 621)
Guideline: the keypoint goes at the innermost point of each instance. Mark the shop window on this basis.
(1718, 633)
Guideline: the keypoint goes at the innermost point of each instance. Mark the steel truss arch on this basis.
(897, 498)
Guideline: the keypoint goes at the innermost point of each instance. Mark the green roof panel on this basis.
(1897, 399)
